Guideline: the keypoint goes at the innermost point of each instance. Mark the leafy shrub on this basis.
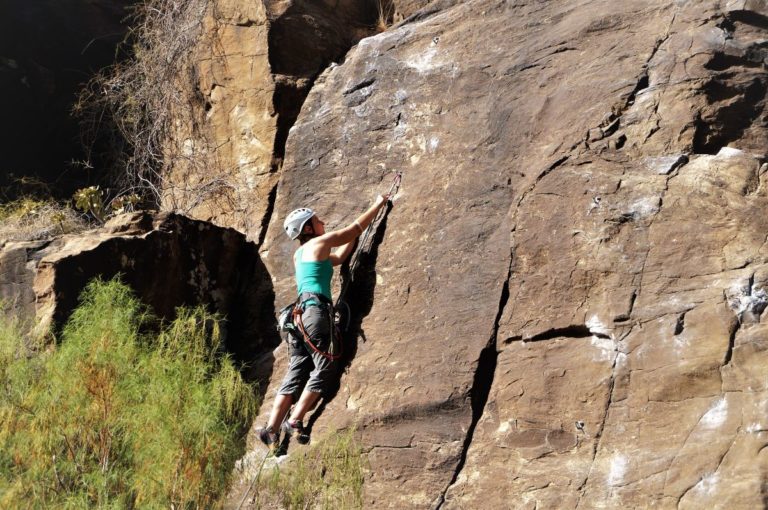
(91, 200)
(116, 418)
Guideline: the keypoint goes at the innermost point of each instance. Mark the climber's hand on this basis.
(381, 200)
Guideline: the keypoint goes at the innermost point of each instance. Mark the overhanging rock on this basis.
(169, 260)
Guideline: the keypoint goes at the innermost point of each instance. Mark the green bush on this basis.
(115, 418)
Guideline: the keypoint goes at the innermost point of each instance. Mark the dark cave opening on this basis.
(48, 50)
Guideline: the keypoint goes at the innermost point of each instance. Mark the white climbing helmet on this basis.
(296, 220)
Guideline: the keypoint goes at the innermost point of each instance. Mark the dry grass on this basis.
(30, 219)
(386, 13)
(328, 475)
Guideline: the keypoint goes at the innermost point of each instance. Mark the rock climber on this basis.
(313, 365)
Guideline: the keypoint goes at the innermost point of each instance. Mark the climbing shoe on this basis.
(267, 437)
(296, 428)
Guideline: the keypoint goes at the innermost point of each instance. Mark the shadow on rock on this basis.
(360, 288)
(169, 261)
(252, 329)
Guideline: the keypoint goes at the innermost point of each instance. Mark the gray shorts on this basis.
(307, 367)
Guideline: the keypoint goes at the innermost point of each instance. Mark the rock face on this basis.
(565, 307)
(612, 401)
(255, 65)
(169, 260)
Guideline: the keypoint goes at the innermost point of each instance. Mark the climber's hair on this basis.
(304, 237)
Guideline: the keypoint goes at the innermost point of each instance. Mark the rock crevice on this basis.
(481, 385)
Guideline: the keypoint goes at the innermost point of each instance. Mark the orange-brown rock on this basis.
(565, 307)
(254, 65)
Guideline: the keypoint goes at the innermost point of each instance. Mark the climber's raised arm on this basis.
(340, 254)
(320, 247)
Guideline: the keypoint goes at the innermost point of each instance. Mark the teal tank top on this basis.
(313, 276)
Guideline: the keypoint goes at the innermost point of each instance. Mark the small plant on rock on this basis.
(386, 11)
(125, 203)
(91, 200)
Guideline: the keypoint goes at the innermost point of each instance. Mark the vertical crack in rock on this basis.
(271, 199)
(748, 306)
(599, 434)
(287, 101)
(579, 331)
(643, 82)
(481, 384)
(734, 329)
(674, 173)
(680, 324)
(611, 123)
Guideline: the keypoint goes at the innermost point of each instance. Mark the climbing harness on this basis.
(326, 306)
(285, 319)
(363, 247)
(291, 322)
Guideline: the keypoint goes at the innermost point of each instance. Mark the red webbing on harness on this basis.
(300, 323)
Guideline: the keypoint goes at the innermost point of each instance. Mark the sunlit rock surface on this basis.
(566, 305)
